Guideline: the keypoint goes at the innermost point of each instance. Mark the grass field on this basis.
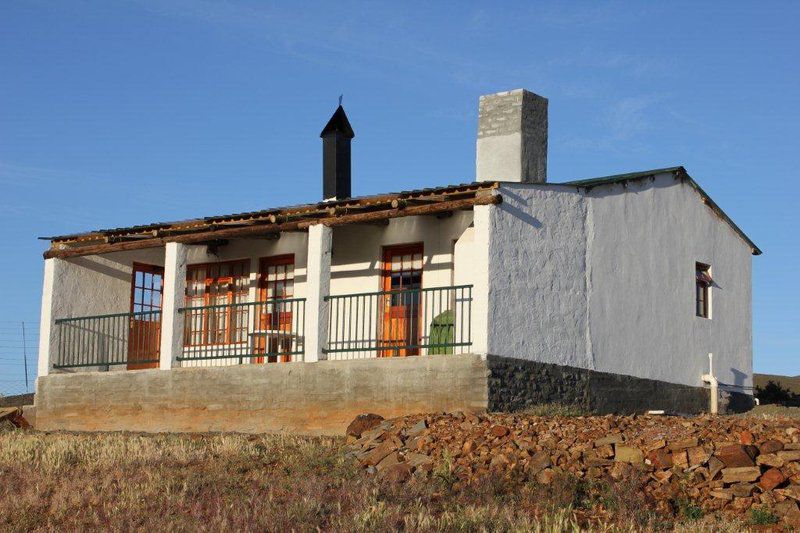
(265, 483)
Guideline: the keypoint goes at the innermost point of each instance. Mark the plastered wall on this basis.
(537, 275)
(313, 398)
(605, 281)
(643, 244)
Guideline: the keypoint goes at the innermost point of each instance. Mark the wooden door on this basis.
(402, 278)
(144, 332)
(274, 317)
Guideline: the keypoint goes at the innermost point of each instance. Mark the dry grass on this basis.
(262, 483)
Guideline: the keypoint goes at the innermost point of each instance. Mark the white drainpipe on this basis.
(711, 380)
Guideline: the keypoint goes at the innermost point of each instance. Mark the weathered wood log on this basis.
(266, 229)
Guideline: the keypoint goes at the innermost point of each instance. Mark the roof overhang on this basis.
(368, 209)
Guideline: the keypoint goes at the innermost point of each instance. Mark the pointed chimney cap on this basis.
(338, 124)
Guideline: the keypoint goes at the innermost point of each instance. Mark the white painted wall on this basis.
(643, 250)
(358, 253)
(86, 286)
(537, 266)
(253, 249)
(605, 281)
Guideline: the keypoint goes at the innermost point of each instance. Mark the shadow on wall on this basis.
(106, 267)
(510, 203)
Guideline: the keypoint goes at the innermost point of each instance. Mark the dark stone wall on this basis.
(515, 384)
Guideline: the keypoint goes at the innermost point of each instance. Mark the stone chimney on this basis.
(336, 138)
(512, 137)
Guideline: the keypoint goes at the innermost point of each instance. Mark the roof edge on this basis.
(679, 172)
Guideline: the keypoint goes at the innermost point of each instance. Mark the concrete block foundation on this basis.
(323, 397)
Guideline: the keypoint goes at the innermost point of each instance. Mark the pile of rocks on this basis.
(722, 464)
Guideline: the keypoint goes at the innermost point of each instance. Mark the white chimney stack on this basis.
(512, 137)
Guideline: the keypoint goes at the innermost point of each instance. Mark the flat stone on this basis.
(390, 460)
(417, 429)
(789, 455)
(683, 444)
(742, 490)
(769, 459)
(698, 455)
(735, 456)
(740, 474)
(770, 446)
(611, 439)
(377, 454)
(792, 491)
(628, 454)
(418, 459)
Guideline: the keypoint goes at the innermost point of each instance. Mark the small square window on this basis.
(703, 283)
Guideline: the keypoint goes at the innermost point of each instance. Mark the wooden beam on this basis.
(194, 238)
(267, 229)
(364, 218)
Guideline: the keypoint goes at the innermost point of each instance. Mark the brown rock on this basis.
(771, 446)
(742, 490)
(735, 456)
(468, 447)
(683, 444)
(680, 459)
(418, 459)
(789, 512)
(660, 459)
(771, 479)
(746, 437)
(606, 451)
(628, 454)
(499, 431)
(545, 477)
(611, 439)
(398, 473)
(362, 424)
(698, 455)
(722, 494)
(715, 466)
(737, 474)
(377, 454)
(792, 491)
(789, 455)
(390, 460)
(417, 429)
(769, 459)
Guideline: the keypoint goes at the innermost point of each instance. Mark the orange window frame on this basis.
(231, 314)
(386, 333)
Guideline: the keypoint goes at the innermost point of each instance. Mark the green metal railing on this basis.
(250, 332)
(106, 340)
(395, 323)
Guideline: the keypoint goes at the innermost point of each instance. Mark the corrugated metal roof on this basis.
(360, 201)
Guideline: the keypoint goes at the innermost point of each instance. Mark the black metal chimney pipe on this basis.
(336, 156)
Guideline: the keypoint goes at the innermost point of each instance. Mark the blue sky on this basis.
(118, 113)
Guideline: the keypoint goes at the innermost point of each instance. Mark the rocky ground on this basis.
(732, 467)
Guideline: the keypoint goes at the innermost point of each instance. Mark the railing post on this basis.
(318, 282)
(172, 299)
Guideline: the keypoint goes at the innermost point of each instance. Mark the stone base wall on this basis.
(304, 398)
(515, 384)
(323, 397)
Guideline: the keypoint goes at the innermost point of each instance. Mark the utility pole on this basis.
(25, 356)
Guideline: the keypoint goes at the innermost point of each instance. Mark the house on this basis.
(497, 294)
